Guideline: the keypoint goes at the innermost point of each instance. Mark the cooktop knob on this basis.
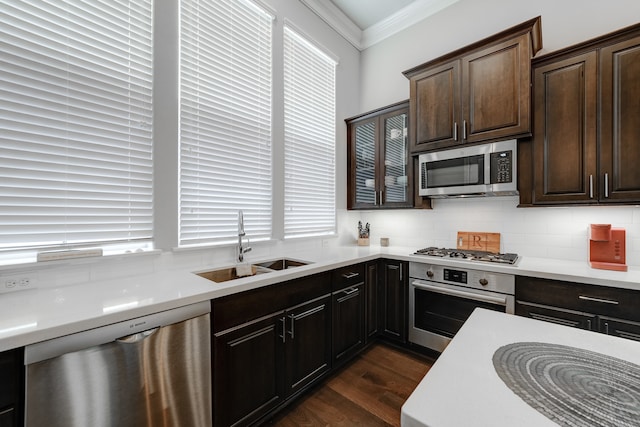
(484, 282)
(430, 274)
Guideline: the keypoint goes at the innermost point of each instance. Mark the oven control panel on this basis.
(477, 279)
(456, 276)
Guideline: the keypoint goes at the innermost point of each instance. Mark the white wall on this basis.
(564, 23)
(540, 232)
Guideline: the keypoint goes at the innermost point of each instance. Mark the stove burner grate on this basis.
(507, 258)
(572, 386)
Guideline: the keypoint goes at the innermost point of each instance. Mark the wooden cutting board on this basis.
(478, 241)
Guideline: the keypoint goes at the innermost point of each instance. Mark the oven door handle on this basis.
(477, 297)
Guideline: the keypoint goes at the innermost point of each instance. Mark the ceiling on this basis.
(366, 13)
(367, 22)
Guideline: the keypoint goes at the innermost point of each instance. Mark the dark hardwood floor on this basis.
(369, 391)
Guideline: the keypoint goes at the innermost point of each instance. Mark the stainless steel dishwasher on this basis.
(149, 371)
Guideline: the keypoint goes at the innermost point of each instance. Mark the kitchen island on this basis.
(504, 370)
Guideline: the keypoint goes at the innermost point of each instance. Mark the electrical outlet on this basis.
(17, 282)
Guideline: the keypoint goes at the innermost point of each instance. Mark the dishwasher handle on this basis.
(137, 337)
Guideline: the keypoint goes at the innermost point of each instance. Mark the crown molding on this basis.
(337, 20)
(404, 18)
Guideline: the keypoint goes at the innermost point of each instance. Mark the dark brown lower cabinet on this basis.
(307, 343)
(372, 307)
(270, 344)
(348, 322)
(11, 388)
(247, 371)
(394, 294)
(607, 310)
(261, 363)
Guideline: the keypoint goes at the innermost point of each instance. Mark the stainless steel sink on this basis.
(281, 264)
(229, 273)
(225, 274)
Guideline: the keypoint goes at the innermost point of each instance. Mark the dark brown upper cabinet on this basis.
(619, 170)
(586, 140)
(478, 93)
(380, 170)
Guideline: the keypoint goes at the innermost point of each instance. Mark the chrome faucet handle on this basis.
(241, 249)
(240, 223)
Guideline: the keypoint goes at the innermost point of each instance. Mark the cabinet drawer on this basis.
(603, 300)
(348, 276)
(244, 307)
(559, 316)
(620, 328)
(10, 375)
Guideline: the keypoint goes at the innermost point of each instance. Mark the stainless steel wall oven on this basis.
(442, 298)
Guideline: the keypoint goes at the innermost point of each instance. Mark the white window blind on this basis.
(75, 123)
(309, 138)
(225, 120)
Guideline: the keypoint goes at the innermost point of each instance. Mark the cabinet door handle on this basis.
(622, 334)
(350, 275)
(284, 328)
(381, 199)
(293, 324)
(591, 186)
(375, 198)
(556, 320)
(455, 131)
(592, 299)
(606, 328)
(348, 294)
(464, 130)
(589, 325)
(294, 317)
(606, 185)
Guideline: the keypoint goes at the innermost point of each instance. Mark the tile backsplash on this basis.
(550, 232)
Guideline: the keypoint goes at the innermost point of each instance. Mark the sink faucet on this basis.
(241, 249)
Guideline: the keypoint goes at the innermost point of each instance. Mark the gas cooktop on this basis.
(468, 255)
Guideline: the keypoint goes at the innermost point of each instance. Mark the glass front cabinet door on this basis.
(379, 166)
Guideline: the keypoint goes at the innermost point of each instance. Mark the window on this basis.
(309, 138)
(75, 123)
(225, 120)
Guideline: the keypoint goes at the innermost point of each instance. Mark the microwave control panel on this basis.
(501, 167)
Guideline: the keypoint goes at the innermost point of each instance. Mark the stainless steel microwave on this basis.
(475, 170)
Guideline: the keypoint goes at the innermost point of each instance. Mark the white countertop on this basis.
(463, 389)
(36, 315)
